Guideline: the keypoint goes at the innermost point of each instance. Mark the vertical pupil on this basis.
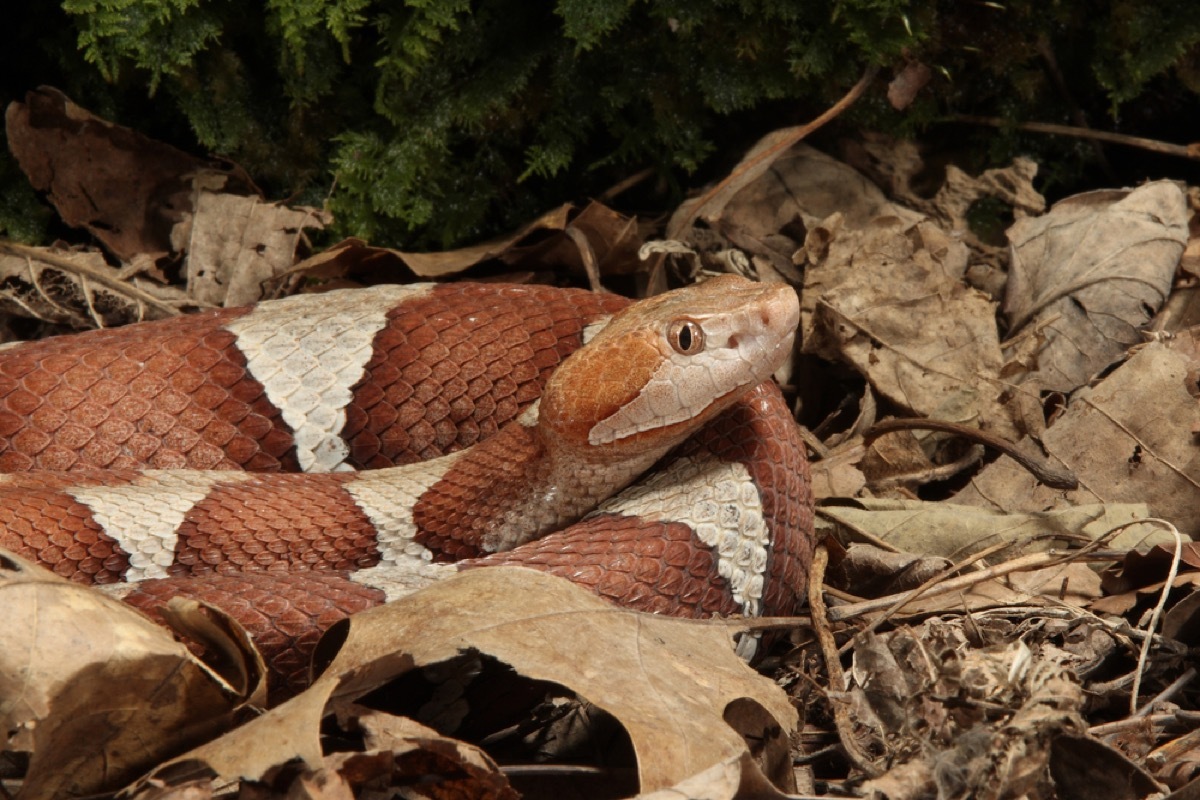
(685, 338)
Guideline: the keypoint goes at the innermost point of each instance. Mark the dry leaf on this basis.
(870, 571)
(838, 474)
(669, 682)
(236, 245)
(904, 87)
(126, 189)
(1182, 620)
(955, 532)
(891, 302)
(1127, 603)
(1073, 583)
(198, 789)
(1086, 769)
(961, 191)
(1090, 274)
(799, 183)
(451, 262)
(1181, 311)
(1138, 580)
(1129, 438)
(897, 164)
(399, 758)
(1145, 566)
(899, 459)
(613, 240)
(91, 689)
(735, 777)
(78, 288)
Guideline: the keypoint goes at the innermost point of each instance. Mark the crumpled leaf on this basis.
(1129, 439)
(93, 690)
(874, 571)
(145, 200)
(1090, 273)
(838, 475)
(1182, 621)
(800, 183)
(890, 301)
(236, 245)
(898, 165)
(1135, 600)
(1138, 580)
(124, 188)
(669, 682)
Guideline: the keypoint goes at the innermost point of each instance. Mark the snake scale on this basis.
(273, 460)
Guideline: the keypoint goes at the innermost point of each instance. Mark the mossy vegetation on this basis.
(430, 123)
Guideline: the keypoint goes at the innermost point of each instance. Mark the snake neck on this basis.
(513, 488)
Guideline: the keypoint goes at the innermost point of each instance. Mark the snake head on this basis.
(665, 366)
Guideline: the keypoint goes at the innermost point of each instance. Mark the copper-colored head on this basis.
(665, 366)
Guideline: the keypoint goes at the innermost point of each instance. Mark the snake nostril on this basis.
(766, 317)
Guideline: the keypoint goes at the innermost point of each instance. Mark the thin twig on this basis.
(1177, 747)
(779, 147)
(1131, 723)
(625, 184)
(1190, 151)
(1051, 476)
(1158, 610)
(1168, 693)
(833, 666)
(932, 587)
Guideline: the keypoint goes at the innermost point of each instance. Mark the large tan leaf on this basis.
(669, 682)
(676, 686)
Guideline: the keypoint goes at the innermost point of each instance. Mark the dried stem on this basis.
(1189, 151)
(833, 667)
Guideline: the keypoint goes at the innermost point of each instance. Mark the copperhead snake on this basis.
(159, 455)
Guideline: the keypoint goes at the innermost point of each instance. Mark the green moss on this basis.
(430, 122)
(22, 216)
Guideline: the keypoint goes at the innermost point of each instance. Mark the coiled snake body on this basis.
(156, 455)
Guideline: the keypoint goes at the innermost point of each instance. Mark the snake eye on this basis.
(686, 337)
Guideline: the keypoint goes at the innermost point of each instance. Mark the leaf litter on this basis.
(981, 635)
